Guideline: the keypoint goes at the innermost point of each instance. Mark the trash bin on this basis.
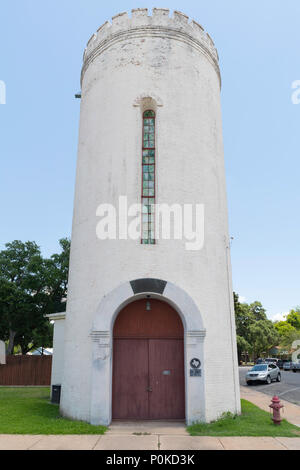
(55, 396)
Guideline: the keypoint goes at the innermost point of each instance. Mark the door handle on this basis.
(149, 389)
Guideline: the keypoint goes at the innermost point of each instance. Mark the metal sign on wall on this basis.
(195, 370)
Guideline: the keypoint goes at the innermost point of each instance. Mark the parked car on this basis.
(267, 360)
(295, 366)
(287, 366)
(271, 360)
(281, 363)
(263, 373)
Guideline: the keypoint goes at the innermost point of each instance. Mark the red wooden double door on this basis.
(148, 362)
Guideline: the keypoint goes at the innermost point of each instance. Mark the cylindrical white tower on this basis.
(167, 66)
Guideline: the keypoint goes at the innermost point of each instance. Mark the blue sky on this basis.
(41, 46)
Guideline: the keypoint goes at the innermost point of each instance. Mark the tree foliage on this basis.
(255, 333)
(293, 318)
(289, 330)
(284, 329)
(263, 337)
(30, 287)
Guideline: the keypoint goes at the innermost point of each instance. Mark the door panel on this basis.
(148, 354)
(273, 372)
(135, 321)
(166, 379)
(130, 379)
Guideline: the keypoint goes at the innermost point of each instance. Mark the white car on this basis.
(295, 366)
(263, 373)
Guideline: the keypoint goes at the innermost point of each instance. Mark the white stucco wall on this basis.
(175, 64)
(58, 348)
(2, 352)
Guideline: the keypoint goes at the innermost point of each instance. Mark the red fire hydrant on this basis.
(276, 406)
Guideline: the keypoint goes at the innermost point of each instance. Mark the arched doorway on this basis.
(148, 362)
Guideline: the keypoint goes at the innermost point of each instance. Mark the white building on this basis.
(149, 330)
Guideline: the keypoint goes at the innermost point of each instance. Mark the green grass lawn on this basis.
(27, 410)
(252, 422)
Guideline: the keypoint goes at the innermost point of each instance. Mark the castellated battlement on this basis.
(159, 23)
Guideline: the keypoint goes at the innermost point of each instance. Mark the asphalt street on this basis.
(288, 389)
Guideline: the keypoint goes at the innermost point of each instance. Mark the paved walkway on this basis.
(157, 435)
(149, 441)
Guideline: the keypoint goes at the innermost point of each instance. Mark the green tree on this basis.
(287, 340)
(263, 337)
(41, 337)
(243, 317)
(19, 266)
(255, 333)
(284, 329)
(31, 287)
(242, 347)
(56, 272)
(12, 304)
(293, 318)
(257, 311)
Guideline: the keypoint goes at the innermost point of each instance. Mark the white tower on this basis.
(150, 118)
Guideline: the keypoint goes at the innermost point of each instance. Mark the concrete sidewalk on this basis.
(113, 441)
(158, 435)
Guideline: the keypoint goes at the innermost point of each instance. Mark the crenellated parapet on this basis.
(143, 24)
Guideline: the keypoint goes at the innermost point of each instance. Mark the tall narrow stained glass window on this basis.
(148, 178)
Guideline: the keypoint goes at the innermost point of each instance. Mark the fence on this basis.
(26, 370)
